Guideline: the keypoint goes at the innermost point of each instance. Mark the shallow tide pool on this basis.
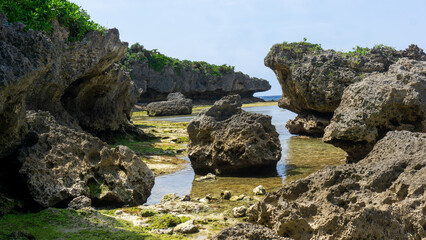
(300, 157)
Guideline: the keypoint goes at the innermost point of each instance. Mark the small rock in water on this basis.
(187, 227)
(208, 177)
(186, 198)
(226, 195)
(80, 202)
(259, 190)
(239, 211)
(209, 197)
(247, 198)
(118, 212)
(169, 197)
(237, 198)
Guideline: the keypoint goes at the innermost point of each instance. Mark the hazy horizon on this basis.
(241, 32)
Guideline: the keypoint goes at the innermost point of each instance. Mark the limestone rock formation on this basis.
(83, 87)
(77, 82)
(308, 124)
(24, 55)
(313, 79)
(61, 164)
(224, 139)
(176, 104)
(194, 79)
(381, 197)
(395, 100)
(247, 231)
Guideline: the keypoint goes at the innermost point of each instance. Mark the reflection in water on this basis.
(179, 182)
(307, 155)
(300, 157)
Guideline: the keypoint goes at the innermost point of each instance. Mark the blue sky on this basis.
(241, 32)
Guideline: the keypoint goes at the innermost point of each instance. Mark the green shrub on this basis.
(301, 47)
(38, 15)
(158, 61)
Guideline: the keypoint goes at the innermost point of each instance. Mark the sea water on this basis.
(300, 157)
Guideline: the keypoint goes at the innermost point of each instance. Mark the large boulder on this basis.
(158, 75)
(313, 79)
(176, 104)
(381, 197)
(395, 100)
(61, 164)
(224, 139)
(79, 84)
(24, 55)
(83, 88)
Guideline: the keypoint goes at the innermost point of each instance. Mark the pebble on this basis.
(259, 190)
(208, 177)
(226, 195)
(239, 211)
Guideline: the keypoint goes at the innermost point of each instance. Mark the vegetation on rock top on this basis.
(158, 61)
(38, 15)
(307, 47)
(300, 47)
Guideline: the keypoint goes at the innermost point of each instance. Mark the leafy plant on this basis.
(38, 15)
(301, 47)
(158, 61)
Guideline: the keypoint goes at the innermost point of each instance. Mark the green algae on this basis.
(69, 224)
(162, 221)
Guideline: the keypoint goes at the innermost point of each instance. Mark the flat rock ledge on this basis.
(226, 140)
(176, 104)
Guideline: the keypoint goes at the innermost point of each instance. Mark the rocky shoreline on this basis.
(67, 140)
(157, 75)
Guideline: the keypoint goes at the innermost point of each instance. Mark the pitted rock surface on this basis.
(176, 104)
(62, 163)
(313, 79)
(77, 82)
(395, 100)
(192, 82)
(308, 124)
(24, 55)
(226, 140)
(247, 231)
(381, 197)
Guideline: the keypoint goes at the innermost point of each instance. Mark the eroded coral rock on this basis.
(308, 124)
(24, 55)
(190, 80)
(381, 197)
(395, 100)
(61, 164)
(176, 104)
(313, 79)
(227, 140)
(247, 231)
(80, 202)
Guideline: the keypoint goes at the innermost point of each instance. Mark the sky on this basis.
(241, 32)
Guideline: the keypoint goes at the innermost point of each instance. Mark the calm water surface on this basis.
(300, 157)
